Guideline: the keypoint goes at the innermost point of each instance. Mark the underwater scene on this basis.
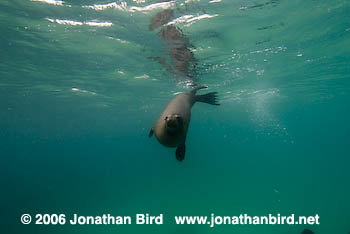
(257, 122)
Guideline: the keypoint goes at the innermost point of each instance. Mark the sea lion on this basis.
(171, 127)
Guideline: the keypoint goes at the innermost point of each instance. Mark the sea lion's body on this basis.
(180, 105)
(172, 125)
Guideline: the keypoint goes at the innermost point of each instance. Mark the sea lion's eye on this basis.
(166, 118)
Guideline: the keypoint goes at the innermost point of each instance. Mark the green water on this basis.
(78, 95)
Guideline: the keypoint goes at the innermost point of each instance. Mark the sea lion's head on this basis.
(173, 124)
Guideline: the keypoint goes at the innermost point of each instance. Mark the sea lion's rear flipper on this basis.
(209, 98)
(194, 91)
(150, 133)
(180, 153)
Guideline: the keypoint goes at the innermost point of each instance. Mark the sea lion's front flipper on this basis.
(150, 133)
(180, 152)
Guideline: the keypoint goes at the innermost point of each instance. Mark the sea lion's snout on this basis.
(173, 123)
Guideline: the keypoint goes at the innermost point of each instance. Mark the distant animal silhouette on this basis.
(307, 231)
(182, 61)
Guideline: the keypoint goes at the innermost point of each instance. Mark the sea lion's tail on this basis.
(210, 98)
